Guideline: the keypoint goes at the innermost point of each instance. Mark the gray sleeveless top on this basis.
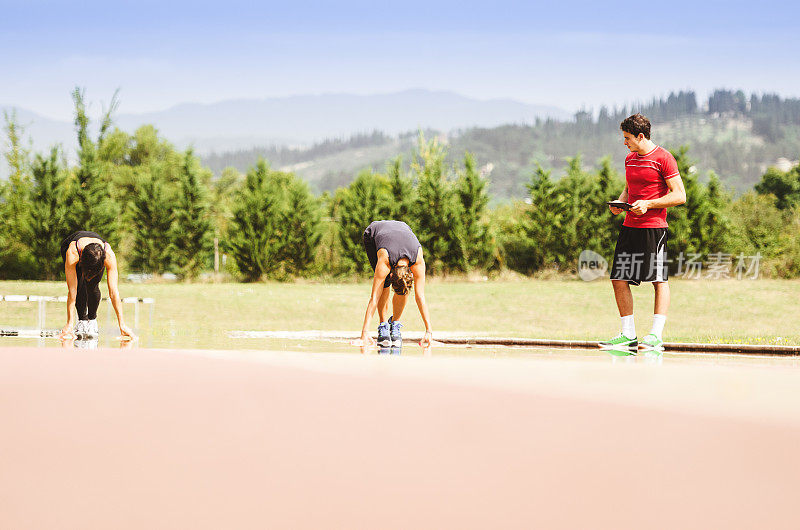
(397, 238)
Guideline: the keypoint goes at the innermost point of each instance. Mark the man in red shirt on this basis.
(653, 184)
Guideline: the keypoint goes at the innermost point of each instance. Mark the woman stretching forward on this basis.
(396, 257)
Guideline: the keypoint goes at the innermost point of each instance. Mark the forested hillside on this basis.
(735, 135)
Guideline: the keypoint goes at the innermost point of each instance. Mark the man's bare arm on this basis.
(674, 197)
(623, 197)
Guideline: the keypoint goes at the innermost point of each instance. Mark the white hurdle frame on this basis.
(42, 300)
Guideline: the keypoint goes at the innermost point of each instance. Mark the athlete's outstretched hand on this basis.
(427, 339)
(126, 332)
(66, 332)
(366, 339)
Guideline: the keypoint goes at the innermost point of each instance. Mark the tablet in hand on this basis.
(619, 204)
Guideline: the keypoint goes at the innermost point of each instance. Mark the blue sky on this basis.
(569, 54)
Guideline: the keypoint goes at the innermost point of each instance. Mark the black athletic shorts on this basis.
(372, 254)
(640, 255)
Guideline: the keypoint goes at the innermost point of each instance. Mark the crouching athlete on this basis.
(85, 256)
(396, 257)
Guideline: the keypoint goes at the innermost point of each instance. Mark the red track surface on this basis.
(157, 439)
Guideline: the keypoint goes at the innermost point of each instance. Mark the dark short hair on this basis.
(636, 125)
(93, 258)
(402, 279)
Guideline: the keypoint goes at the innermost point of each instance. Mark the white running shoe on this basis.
(92, 330)
(80, 329)
(87, 344)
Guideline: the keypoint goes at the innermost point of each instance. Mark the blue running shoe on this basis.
(395, 330)
(384, 339)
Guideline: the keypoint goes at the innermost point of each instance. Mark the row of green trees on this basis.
(148, 200)
(162, 210)
(277, 228)
(569, 213)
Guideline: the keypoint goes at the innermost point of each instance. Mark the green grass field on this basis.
(762, 311)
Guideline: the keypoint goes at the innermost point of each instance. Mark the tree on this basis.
(577, 221)
(302, 227)
(789, 249)
(402, 191)
(151, 224)
(368, 198)
(471, 192)
(94, 208)
(756, 225)
(684, 221)
(15, 258)
(784, 185)
(562, 218)
(518, 251)
(722, 101)
(256, 230)
(48, 215)
(716, 221)
(437, 210)
(543, 223)
(223, 196)
(19, 184)
(192, 230)
(700, 225)
(606, 226)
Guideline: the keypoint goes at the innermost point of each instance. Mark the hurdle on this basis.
(41, 302)
(29, 333)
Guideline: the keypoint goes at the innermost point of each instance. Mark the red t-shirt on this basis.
(647, 177)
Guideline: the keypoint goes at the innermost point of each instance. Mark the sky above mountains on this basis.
(570, 55)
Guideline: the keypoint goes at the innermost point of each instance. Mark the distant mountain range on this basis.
(303, 120)
(735, 135)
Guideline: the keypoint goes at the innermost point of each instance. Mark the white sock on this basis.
(658, 325)
(628, 327)
(385, 322)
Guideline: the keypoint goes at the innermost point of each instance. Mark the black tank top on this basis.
(397, 238)
(75, 237)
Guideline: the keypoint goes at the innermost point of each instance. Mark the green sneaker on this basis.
(620, 342)
(626, 352)
(652, 343)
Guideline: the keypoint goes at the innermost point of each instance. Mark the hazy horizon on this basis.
(97, 102)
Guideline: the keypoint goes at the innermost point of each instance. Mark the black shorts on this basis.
(372, 254)
(640, 255)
